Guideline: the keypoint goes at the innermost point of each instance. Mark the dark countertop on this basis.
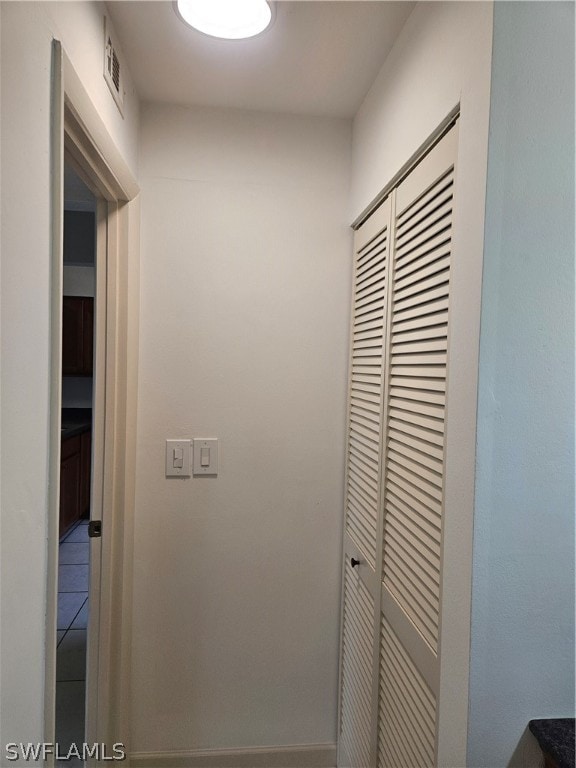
(556, 738)
(75, 421)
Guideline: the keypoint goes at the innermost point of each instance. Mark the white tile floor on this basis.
(72, 624)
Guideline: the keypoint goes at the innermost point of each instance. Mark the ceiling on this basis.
(319, 57)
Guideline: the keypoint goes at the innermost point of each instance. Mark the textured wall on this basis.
(26, 55)
(523, 599)
(245, 280)
(441, 58)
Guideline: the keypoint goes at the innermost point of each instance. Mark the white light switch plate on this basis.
(177, 458)
(205, 456)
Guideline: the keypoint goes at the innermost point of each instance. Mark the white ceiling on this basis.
(319, 57)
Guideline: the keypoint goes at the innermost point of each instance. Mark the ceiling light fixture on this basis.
(230, 19)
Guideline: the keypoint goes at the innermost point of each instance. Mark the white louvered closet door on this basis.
(361, 593)
(390, 650)
(413, 475)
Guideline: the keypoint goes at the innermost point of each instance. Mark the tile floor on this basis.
(72, 626)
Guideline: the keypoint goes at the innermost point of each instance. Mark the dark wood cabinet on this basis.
(75, 465)
(77, 335)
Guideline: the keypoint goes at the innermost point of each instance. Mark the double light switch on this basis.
(178, 457)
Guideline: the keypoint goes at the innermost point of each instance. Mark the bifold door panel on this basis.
(367, 383)
(357, 680)
(407, 707)
(391, 614)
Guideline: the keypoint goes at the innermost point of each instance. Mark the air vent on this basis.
(113, 68)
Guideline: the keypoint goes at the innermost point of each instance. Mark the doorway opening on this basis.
(97, 712)
(78, 370)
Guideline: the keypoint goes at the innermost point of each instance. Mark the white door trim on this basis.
(79, 133)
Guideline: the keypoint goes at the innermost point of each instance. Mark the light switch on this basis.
(205, 456)
(178, 458)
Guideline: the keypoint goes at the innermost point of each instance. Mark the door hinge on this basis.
(95, 529)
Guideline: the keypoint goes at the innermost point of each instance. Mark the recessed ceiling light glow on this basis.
(230, 19)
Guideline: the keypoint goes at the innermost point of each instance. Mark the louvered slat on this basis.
(365, 415)
(414, 472)
(407, 708)
(356, 677)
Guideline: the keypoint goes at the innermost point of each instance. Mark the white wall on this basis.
(245, 281)
(523, 599)
(80, 27)
(27, 32)
(441, 58)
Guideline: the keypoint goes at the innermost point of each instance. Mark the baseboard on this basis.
(296, 756)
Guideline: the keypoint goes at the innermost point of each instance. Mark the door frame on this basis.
(80, 136)
(460, 447)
